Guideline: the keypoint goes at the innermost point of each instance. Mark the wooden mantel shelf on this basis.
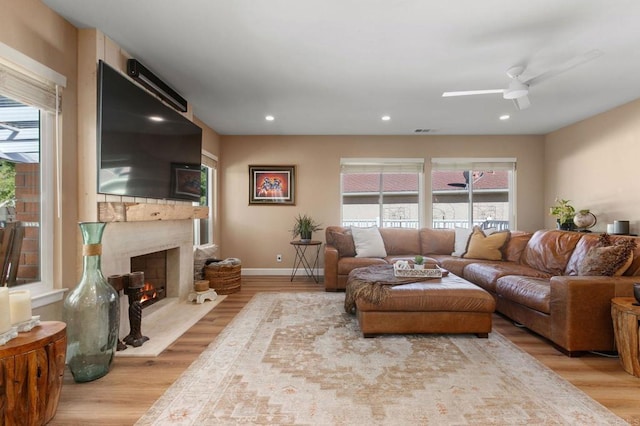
(137, 212)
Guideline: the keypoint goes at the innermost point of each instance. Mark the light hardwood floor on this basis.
(125, 394)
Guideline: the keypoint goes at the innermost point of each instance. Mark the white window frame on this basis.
(462, 164)
(211, 162)
(43, 291)
(384, 165)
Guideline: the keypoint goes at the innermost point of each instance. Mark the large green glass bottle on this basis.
(92, 313)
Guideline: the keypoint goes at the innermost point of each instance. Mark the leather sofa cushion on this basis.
(512, 251)
(436, 241)
(487, 274)
(401, 241)
(549, 250)
(454, 264)
(347, 264)
(531, 292)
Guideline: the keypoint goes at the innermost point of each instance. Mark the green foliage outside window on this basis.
(7, 182)
(203, 186)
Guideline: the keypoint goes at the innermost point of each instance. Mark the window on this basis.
(382, 192)
(29, 122)
(203, 228)
(468, 192)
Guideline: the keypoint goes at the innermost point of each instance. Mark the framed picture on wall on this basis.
(272, 185)
(186, 181)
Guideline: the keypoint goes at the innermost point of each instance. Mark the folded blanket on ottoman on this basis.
(371, 283)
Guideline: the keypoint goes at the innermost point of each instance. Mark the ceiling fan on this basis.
(518, 90)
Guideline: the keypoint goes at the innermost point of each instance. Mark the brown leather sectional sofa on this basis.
(536, 284)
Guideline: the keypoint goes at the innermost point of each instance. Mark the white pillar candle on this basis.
(20, 305)
(5, 312)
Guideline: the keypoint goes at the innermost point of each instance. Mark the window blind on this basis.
(398, 165)
(29, 90)
(462, 164)
(209, 160)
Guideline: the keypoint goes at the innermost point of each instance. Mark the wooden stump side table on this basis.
(31, 372)
(626, 326)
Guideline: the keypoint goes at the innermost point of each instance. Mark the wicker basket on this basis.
(223, 278)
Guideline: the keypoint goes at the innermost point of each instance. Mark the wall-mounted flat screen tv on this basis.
(145, 148)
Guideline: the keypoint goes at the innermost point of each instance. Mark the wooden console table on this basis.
(31, 372)
(626, 326)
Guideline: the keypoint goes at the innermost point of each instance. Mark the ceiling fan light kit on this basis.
(516, 90)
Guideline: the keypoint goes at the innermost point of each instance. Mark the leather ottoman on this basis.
(446, 305)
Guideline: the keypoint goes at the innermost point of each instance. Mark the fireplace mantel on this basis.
(137, 212)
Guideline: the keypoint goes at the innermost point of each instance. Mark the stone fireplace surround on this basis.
(123, 240)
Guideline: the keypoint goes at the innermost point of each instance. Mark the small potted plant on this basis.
(304, 226)
(564, 213)
(418, 262)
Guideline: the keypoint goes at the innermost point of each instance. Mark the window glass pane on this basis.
(472, 197)
(400, 200)
(203, 228)
(361, 199)
(386, 199)
(20, 193)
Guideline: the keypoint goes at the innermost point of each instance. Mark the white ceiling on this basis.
(336, 66)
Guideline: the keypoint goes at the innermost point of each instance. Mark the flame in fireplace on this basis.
(148, 292)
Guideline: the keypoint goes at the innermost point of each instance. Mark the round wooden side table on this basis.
(626, 326)
(31, 372)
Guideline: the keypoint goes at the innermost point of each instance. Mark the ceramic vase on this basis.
(92, 313)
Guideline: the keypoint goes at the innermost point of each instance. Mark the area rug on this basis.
(298, 358)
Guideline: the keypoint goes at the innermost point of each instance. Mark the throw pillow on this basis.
(200, 255)
(343, 242)
(461, 241)
(608, 260)
(486, 247)
(368, 242)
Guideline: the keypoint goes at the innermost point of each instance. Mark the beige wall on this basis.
(594, 163)
(255, 234)
(33, 29)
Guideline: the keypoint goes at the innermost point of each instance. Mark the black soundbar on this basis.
(141, 74)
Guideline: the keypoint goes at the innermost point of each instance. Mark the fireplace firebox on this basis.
(154, 267)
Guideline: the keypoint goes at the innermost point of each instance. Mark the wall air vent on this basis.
(424, 130)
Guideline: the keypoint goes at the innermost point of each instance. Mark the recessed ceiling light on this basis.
(269, 118)
(156, 118)
(505, 117)
(386, 118)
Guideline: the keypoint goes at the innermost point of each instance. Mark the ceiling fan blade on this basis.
(471, 92)
(522, 102)
(570, 64)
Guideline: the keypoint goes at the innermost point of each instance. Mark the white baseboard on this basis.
(277, 271)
